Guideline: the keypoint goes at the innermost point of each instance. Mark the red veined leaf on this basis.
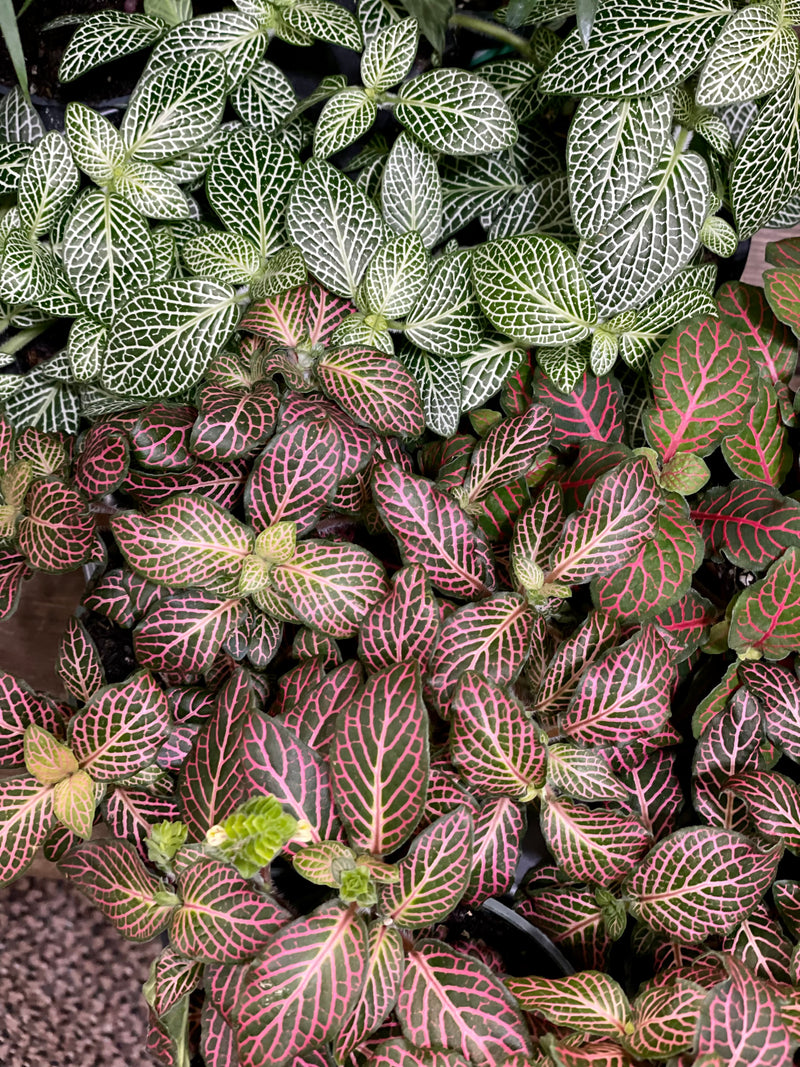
(402, 627)
(281, 317)
(761, 944)
(327, 585)
(102, 463)
(111, 597)
(758, 448)
(769, 344)
(166, 1039)
(358, 444)
(221, 483)
(729, 744)
(665, 1019)
(777, 691)
(385, 965)
(619, 516)
(303, 988)
(590, 1002)
(234, 422)
(161, 434)
(379, 760)
(326, 312)
(594, 409)
(497, 837)
(295, 476)
(624, 695)
(491, 637)
(766, 615)
(313, 718)
(121, 728)
(572, 918)
(26, 818)
(452, 1001)
(432, 530)
(189, 541)
(685, 625)
(594, 460)
(592, 1054)
(211, 782)
(661, 571)
(224, 985)
(176, 747)
(591, 639)
(20, 708)
(172, 977)
(741, 1022)
(374, 389)
(78, 664)
(276, 762)
(774, 804)
(446, 791)
(13, 569)
(493, 743)
(113, 877)
(221, 919)
(582, 774)
(130, 813)
(57, 534)
(700, 881)
(652, 781)
(508, 451)
(185, 632)
(595, 846)
(784, 253)
(702, 383)
(434, 873)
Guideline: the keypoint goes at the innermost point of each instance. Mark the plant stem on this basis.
(492, 29)
(19, 340)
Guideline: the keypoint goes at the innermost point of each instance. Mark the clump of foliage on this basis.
(434, 492)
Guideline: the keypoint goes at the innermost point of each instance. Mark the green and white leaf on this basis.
(265, 98)
(237, 37)
(104, 36)
(19, 119)
(484, 370)
(411, 191)
(96, 145)
(563, 365)
(27, 270)
(50, 179)
(446, 319)
(44, 398)
(439, 381)
(542, 207)
(388, 56)
(86, 346)
(344, 118)
(147, 188)
(475, 187)
(222, 257)
(322, 20)
(396, 276)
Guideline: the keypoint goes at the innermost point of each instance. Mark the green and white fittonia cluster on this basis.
(436, 492)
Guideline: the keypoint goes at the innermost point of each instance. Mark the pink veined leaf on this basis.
(595, 846)
(454, 1002)
(26, 818)
(508, 451)
(211, 782)
(432, 530)
(130, 814)
(777, 691)
(593, 410)
(121, 728)
(686, 624)
(782, 290)
(665, 1020)
(358, 443)
(497, 837)
(221, 918)
(313, 717)
(769, 343)
(102, 463)
(326, 312)
(172, 977)
(741, 1021)
(379, 760)
(217, 1039)
(766, 617)
(583, 774)
(57, 533)
(446, 791)
(176, 748)
(594, 460)
(625, 695)
(160, 437)
(497, 513)
(590, 1002)
(234, 422)
(729, 744)
(619, 517)
(447, 461)
(493, 744)
(537, 530)
(296, 684)
(434, 873)
(758, 449)
(572, 918)
(78, 664)
(185, 632)
(491, 637)
(659, 574)
(702, 384)
(786, 895)
(224, 985)
(591, 639)
(308, 644)
(327, 585)
(404, 626)
(653, 783)
(352, 497)
(13, 569)
(295, 476)
(20, 708)
(591, 1054)
(189, 541)
(378, 995)
(715, 703)
(167, 1039)
(281, 318)
(785, 253)
(761, 944)
(275, 761)
(303, 988)
(774, 804)
(700, 881)
(113, 877)
(221, 483)
(49, 453)
(374, 389)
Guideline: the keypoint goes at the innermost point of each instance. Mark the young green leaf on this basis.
(346, 116)
(388, 56)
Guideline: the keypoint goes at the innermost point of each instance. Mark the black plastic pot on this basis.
(524, 949)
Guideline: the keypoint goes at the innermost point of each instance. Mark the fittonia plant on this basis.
(403, 431)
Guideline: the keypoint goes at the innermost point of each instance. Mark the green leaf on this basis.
(446, 319)
(637, 49)
(388, 56)
(50, 179)
(151, 191)
(455, 112)
(439, 381)
(46, 758)
(532, 289)
(265, 98)
(758, 449)
(74, 801)
(11, 38)
(96, 145)
(755, 53)
(225, 257)
(411, 191)
(433, 17)
(104, 36)
(236, 37)
(345, 117)
(172, 12)
(766, 615)
(165, 336)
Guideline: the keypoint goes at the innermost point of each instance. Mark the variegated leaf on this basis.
(777, 691)
(171, 978)
(439, 381)
(26, 818)
(593, 410)
(233, 422)
(58, 532)
(107, 35)
(591, 1002)
(46, 758)
(446, 320)
(595, 635)
(346, 116)
(766, 617)
(769, 343)
(773, 801)
(595, 846)
(411, 192)
(79, 665)
(185, 632)
(508, 451)
(499, 828)
(102, 463)
(378, 995)
(754, 54)
(759, 449)
(376, 390)
(403, 626)
(748, 523)
(665, 1019)
(47, 184)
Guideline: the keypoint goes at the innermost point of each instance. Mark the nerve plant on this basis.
(429, 494)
